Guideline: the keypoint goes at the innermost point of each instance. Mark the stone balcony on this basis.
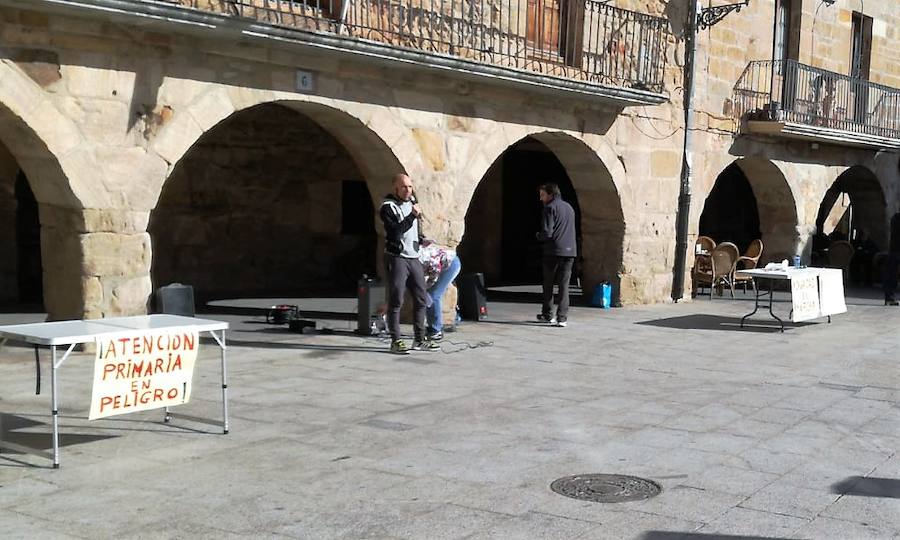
(582, 47)
(796, 101)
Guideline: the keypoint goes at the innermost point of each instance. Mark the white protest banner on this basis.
(831, 291)
(805, 297)
(139, 371)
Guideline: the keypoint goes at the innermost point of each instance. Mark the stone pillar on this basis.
(448, 305)
(602, 238)
(61, 259)
(805, 233)
(96, 262)
(781, 235)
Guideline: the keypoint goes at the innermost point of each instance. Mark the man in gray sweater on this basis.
(557, 236)
(400, 215)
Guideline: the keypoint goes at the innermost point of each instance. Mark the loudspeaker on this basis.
(472, 297)
(369, 296)
(175, 299)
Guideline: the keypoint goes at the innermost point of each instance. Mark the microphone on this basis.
(414, 201)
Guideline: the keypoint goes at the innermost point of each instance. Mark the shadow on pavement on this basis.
(863, 486)
(718, 322)
(672, 535)
(11, 423)
(325, 350)
(516, 323)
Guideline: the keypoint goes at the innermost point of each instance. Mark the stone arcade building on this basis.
(241, 145)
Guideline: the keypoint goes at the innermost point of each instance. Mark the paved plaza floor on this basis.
(749, 432)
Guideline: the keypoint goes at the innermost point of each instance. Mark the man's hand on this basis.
(415, 210)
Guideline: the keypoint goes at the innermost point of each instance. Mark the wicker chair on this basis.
(840, 253)
(702, 248)
(706, 244)
(750, 259)
(720, 270)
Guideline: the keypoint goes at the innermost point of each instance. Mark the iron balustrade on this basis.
(585, 40)
(788, 91)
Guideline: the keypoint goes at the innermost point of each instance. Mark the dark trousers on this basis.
(557, 271)
(890, 275)
(403, 274)
(862, 268)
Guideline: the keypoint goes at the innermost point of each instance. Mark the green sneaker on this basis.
(398, 346)
(425, 345)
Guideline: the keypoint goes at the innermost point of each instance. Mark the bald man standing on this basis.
(400, 216)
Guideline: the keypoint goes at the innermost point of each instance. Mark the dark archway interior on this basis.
(853, 209)
(505, 214)
(854, 205)
(21, 273)
(730, 213)
(265, 203)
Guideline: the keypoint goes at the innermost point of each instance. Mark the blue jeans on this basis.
(435, 320)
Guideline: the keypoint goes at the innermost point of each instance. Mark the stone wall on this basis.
(825, 42)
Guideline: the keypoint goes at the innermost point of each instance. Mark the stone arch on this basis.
(594, 170)
(777, 206)
(256, 205)
(375, 139)
(867, 199)
(43, 141)
(49, 149)
(491, 147)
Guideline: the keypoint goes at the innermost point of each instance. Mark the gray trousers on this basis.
(403, 274)
(557, 271)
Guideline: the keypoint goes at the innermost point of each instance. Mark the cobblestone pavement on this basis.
(749, 432)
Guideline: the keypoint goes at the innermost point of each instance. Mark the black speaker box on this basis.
(472, 297)
(369, 295)
(175, 299)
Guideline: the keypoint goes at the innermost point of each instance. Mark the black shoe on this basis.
(891, 302)
(544, 318)
(425, 345)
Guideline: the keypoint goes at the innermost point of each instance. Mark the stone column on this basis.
(96, 262)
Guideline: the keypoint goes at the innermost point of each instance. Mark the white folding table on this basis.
(71, 333)
(824, 301)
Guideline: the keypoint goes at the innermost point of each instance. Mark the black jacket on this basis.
(895, 233)
(557, 232)
(396, 227)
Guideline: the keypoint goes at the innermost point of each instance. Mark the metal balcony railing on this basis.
(584, 40)
(788, 91)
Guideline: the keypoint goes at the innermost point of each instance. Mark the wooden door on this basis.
(543, 25)
(556, 28)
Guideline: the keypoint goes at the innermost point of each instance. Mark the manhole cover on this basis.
(606, 488)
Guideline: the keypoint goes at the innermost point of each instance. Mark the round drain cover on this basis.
(606, 488)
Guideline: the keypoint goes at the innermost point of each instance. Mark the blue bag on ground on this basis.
(602, 295)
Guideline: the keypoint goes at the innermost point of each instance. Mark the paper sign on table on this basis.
(805, 297)
(143, 371)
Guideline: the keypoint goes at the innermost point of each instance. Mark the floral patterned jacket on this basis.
(435, 259)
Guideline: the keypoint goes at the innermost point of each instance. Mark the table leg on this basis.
(771, 299)
(37, 371)
(222, 347)
(755, 305)
(54, 411)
